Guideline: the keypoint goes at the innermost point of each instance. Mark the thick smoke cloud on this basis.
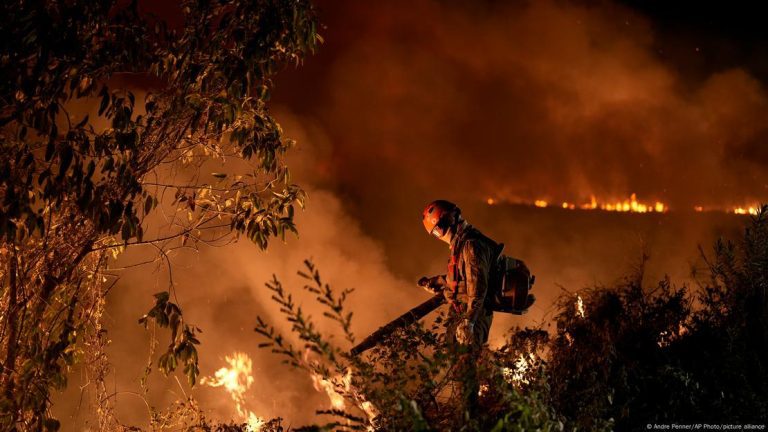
(548, 100)
(544, 99)
(412, 101)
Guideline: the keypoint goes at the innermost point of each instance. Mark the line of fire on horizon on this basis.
(629, 205)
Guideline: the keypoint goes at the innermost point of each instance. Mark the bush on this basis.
(620, 358)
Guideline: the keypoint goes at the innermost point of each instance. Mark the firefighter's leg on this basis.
(471, 381)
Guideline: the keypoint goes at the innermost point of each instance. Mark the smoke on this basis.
(530, 100)
(412, 101)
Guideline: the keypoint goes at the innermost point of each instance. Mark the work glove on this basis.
(432, 285)
(465, 332)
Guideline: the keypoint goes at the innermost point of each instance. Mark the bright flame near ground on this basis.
(327, 385)
(332, 389)
(747, 210)
(667, 337)
(236, 380)
(519, 374)
(580, 306)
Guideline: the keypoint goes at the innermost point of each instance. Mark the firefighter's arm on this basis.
(476, 265)
(434, 284)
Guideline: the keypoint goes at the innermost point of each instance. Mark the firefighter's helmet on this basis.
(438, 217)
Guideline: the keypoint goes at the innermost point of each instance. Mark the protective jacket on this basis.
(470, 277)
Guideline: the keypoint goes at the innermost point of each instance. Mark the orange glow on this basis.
(631, 204)
(745, 210)
(628, 205)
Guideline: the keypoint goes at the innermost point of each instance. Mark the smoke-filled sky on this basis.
(409, 101)
(549, 99)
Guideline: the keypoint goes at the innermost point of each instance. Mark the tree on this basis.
(73, 194)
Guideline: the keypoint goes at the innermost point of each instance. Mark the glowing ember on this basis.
(667, 337)
(540, 203)
(236, 380)
(745, 210)
(580, 306)
(519, 374)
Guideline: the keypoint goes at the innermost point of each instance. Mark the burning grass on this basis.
(626, 205)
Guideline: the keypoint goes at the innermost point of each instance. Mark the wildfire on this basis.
(519, 374)
(746, 210)
(236, 380)
(332, 388)
(328, 386)
(667, 337)
(580, 306)
(628, 205)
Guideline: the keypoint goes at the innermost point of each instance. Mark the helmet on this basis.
(438, 217)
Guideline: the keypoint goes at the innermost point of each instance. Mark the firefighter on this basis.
(466, 285)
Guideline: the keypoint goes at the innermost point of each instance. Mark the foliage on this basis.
(167, 314)
(621, 357)
(78, 187)
(661, 355)
(409, 382)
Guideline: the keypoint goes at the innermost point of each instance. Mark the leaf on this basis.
(65, 159)
(148, 204)
(104, 100)
(82, 122)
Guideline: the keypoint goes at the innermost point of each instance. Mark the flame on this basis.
(667, 337)
(333, 387)
(628, 205)
(519, 374)
(370, 410)
(746, 210)
(236, 380)
(580, 306)
(328, 386)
